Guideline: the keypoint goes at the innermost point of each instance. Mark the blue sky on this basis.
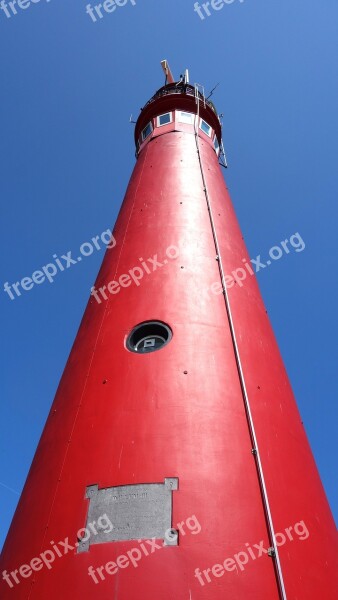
(69, 86)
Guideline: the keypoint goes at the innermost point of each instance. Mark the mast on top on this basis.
(169, 78)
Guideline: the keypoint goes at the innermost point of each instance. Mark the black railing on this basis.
(181, 88)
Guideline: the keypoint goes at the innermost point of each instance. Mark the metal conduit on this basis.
(255, 447)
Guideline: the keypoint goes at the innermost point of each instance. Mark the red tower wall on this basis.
(122, 418)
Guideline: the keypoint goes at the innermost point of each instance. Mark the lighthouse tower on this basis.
(173, 464)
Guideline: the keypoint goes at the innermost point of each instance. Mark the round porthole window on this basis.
(149, 337)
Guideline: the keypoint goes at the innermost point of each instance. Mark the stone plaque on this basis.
(141, 511)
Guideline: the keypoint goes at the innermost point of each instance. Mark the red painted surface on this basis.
(121, 418)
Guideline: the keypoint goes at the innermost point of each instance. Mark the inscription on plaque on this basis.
(140, 511)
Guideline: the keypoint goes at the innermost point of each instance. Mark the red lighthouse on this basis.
(173, 464)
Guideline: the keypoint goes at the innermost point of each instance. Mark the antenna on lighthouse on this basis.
(212, 91)
(169, 78)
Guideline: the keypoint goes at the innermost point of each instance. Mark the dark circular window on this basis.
(149, 337)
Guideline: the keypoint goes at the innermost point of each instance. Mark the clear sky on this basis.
(68, 88)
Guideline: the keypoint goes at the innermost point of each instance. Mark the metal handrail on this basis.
(180, 88)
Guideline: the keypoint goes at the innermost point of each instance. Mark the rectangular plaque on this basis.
(140, 511)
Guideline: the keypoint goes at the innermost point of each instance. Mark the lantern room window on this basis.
(147, 131)
(164, 119)
(205, 127)
(185, 117)
(216, 145)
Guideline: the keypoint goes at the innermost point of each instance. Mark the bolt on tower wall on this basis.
(173, 464)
